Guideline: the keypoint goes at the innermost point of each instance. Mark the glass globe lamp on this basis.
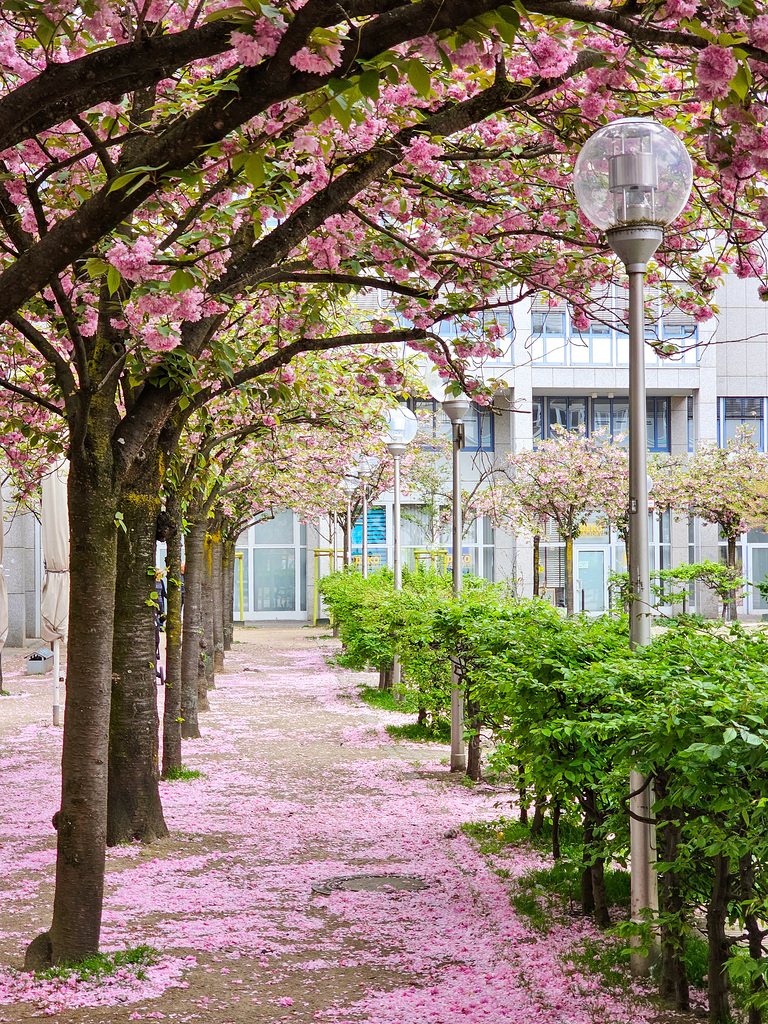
(402, 427)
(350, 484)
(367, 466)
(633, 171)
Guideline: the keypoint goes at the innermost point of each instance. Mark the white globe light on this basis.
(633, 172)
(350, 484)
(367, 466)
(402, 425)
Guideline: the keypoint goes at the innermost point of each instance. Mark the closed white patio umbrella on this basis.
(3, 595)
(54, 603)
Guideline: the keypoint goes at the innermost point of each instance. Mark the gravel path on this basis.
(300, 782)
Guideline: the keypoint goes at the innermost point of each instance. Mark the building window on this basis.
(610, 415)
(548, 336)
(733, 414)
(657, 417)
(570, 413)
(591, 346)
(478, 423)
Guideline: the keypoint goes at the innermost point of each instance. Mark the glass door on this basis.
(273, 567)
(758, 574)
(590, 579)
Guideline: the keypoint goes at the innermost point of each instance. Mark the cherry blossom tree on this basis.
(722, 487)
(567, 480)
(188, 190)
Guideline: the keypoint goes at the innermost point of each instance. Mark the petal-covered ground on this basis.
(300, 782)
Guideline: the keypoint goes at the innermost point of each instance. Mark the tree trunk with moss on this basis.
(673, 984)
(82, 817)
(569, 602)
(190, 644)
(134, 810)
(218, 600)
(172, 707)
(730, 606)
(719, 948)
(228, 565)
(474, 744)
(207, 674)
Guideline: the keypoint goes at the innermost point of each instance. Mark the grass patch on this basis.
(182, 774)
(696, 965)
(103, 965)
(607, 958)
(437, 732)
(544, 893)
(377, 698)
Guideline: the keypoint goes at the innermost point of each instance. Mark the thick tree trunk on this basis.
(227, 594)
(218, 601)
(536, 557)
(587, 893)
(754, 931)
(190, 646)
(134, 810)
(228, 605)
(538, 815)
(475, 743)
(523, 796)
(594, 889)
(556, 809)
(569, 576)
(172, 708)
(717, 911)
(673, 986)
(207, 664)
(81, 820)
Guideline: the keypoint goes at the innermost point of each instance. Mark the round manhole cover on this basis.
(370, 883)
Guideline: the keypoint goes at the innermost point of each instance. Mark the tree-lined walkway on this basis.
(299, 782)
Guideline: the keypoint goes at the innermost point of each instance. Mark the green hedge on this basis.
(569, 710)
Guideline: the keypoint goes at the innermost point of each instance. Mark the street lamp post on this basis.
(366, 467)
(456, 409)
(349, 485)
(632, 178)
(402, 427)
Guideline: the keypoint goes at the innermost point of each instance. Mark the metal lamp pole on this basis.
(349, 485)
(402, 427)
(366, 467)
(456, 409)
(631, 179)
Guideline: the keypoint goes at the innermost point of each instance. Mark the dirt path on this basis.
(300, 782)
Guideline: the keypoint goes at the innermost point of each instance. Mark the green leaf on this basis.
(181, 280)
(369, 84)
(113, 280)
(95, 267)
(254, 170)
(729, 735)
(122, 180)
(419, 77)
(742, 82)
